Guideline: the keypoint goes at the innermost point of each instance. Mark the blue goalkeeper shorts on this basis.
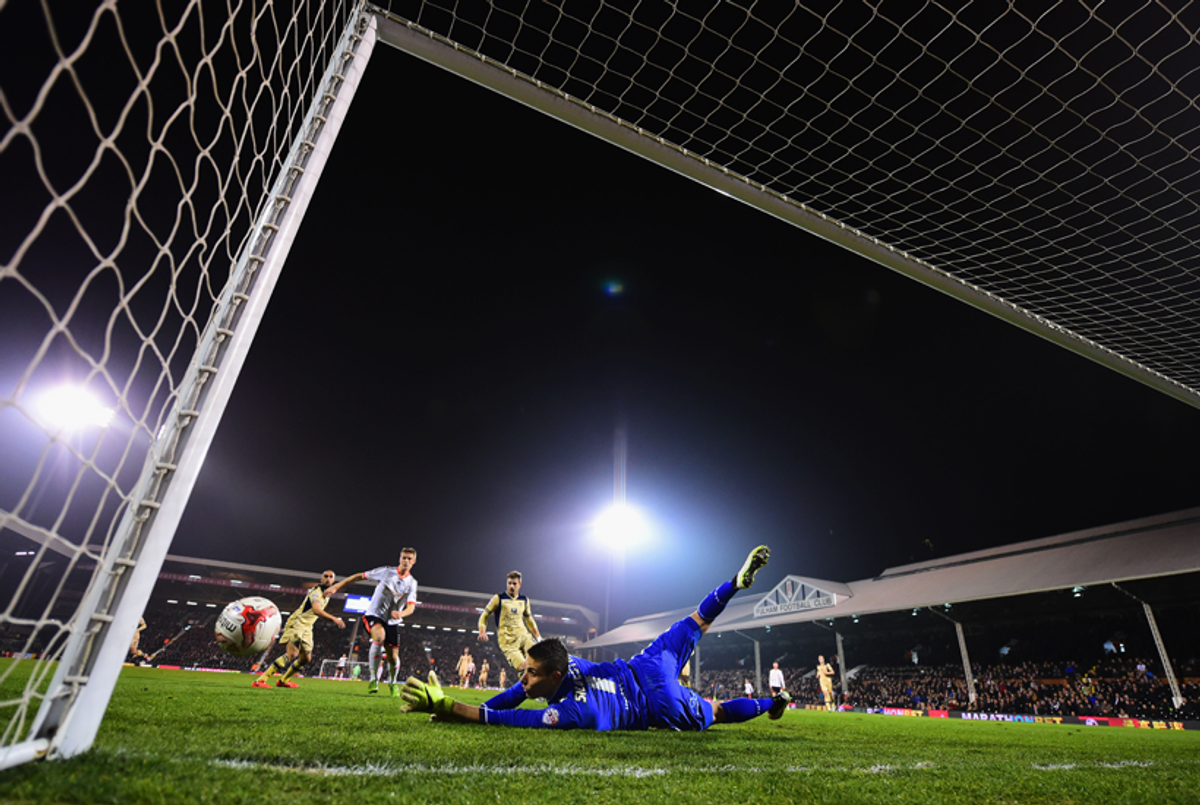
(672, 706)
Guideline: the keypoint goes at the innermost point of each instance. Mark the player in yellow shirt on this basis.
(297, 634)
(516, 629)
(825, 679)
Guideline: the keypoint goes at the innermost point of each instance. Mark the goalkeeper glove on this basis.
(425, 698)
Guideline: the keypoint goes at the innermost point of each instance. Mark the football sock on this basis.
(373, 661)
(739, 710)
(714, 603)
(278, 667)
(296, 665)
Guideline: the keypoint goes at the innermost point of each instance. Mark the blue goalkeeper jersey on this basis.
(593, 696)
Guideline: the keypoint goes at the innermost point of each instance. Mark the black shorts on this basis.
(391, 632)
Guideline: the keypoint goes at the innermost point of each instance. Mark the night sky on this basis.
(443, 365)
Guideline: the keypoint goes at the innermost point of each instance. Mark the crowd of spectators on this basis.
(1111, 687)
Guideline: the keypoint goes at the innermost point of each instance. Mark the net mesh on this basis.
(1041, 154)
(137, 148)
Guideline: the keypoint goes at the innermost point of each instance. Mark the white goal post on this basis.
(219, 127)
(352, 671)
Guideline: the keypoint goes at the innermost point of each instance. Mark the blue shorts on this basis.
(672, 706)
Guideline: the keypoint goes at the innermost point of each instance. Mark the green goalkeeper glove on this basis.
(425, 698)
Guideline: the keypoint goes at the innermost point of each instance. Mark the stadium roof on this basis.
(1164, 545)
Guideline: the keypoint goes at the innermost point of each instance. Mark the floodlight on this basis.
(619, 526)
(71, 407)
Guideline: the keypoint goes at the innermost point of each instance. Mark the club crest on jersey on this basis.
(550, 716)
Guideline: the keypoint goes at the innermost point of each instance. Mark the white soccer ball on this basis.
(248, 626)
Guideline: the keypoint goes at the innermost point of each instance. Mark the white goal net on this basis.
(1037, 160)
(155, 162)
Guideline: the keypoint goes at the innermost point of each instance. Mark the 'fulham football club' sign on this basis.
(793, 595)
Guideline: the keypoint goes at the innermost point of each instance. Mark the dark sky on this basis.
(442, 367)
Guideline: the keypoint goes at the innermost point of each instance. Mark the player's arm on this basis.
(334, 589)
(530, 623)
(483, 616)
(423, 698)
(320, 612)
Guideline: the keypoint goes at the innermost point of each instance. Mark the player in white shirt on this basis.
(775, 679)
(394, 599)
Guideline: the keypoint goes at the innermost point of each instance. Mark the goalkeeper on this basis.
(635, 695)
(516, 629)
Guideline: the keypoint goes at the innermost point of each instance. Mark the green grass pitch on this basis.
(177, 737)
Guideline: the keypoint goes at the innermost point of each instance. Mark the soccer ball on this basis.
(247, 626)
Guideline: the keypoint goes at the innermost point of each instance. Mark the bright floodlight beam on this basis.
(619, 526)
(70, 408)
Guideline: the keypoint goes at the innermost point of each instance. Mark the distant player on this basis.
(137, 637)
(516, 630)
(503, 677)
(297, 634)
(635, 695)
(825, 678)
(463, 668)
(775, 679)
(394, 599)
(483, 674)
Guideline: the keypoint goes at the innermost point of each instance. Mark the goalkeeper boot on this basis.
(779, 703)
(372, 686)
(755, 562)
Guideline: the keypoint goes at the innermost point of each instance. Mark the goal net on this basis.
(1038, 161)
(156, 162)
(1039, 164)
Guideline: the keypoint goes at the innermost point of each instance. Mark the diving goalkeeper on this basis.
(635, 695)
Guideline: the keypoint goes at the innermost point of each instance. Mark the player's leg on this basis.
(303, 654)
(279, 667)
(394, 655)
(373, 657)
(716, 601)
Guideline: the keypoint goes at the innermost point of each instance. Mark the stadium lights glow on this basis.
(172, 601)
(619, 526)
(214, 606)
(193, 576)
(236, 581)
(274, 586)
(71, 407)
(430, 627)
(447, 629)
(191, 603)
(462, 630)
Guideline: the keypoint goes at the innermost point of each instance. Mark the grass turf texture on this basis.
(182, 737)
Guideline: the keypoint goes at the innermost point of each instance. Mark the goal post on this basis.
(353, 671)
(312, 61)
